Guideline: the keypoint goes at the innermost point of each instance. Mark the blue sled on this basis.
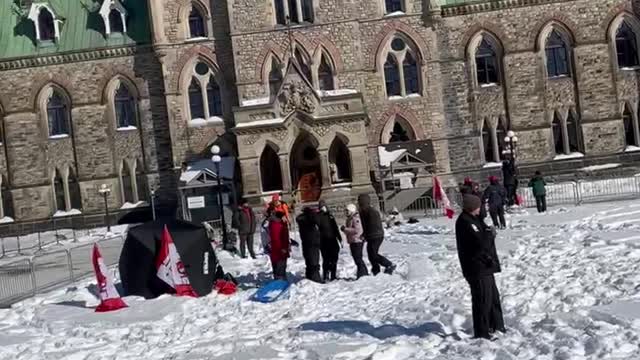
(273, 291)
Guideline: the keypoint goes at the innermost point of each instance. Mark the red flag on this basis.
(441, 198)
(170, 268)
(109, 298)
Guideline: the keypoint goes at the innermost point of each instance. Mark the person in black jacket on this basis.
(496, 196)
(510, 181)
(479, 261)
(310, 236)
(330, 240)
(244, 220)
(373, 234)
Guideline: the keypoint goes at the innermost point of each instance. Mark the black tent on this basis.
(137, 260)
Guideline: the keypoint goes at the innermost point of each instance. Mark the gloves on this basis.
(342, 228)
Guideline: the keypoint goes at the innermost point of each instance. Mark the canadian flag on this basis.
(109, 298)
(170, 268)
(441, 198)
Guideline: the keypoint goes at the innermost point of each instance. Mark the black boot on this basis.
(389, 270)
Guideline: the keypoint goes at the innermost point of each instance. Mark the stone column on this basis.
(67, 195)
(359, 165)
(156, 16)
(565, 137)
(134, 183)
(1, 202)
(287, 186)
(324, 167)
(251, 177)
(496, 148)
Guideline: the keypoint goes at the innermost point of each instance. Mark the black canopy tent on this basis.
(137, 260)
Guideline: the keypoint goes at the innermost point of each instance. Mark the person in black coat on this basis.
(479, 261)
(373, 234)
(495, 195)
(330, 240)
(310, 236)
(244, 220)
(510, 181)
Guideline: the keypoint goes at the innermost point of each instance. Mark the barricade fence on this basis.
(557, 194)
(25, 277)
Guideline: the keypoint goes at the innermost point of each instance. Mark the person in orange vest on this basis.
(277, 205)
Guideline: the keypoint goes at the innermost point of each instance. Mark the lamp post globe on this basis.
(215, 150)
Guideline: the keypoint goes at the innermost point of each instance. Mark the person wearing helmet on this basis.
(353, 230)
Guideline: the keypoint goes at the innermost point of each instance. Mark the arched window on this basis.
(303, 64)
(74, 191)
(197, 27)
(325, 75)
(293, 11)
(125, 107)
(275, 77)
(488, 144)
(57, 114)
(141, 182)
(410, 68)
(392, 76)
(214, 98)
(626, 46)
(399, 133)
(126, 184)
(486, 64)
(392, 6)
(58, 190)
(115, 21)
(573, 134)
(46, 26)
(401, 71)
(558, 135)
(501, 133)
(196, 105)
(270, 171)
(339, 162)
(557, 55)
(629, 128)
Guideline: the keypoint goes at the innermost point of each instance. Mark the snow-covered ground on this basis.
(570, 290)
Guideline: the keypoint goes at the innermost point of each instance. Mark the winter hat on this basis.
(468, 181)
(493, 179)
(471, 203)
(351, 209)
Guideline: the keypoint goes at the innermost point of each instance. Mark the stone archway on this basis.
(305, 167)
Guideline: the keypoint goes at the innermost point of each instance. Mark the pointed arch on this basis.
(555, 43)
(392, 29)
(624, 36)
(398, 129)
(116, 25)
(270, 169)
(326, 72)
(489, 142)
(202, 77)
(272, 71)
(401, 66)
(46, 25)
(484, 54)
(340, 167)
(54, 103)
(303, 60)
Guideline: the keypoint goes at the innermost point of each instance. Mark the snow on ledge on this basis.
(196, 39)
(338, 92)
(575, 155)
(600, 167)
(395, 13)
(276, 121)
(126, 128)
(61, 213)
(632, 148)
(214, 120)
(387, 157)
(129, 205)
(491, 165)
(59, 136)
(6, 220)
(254, 102)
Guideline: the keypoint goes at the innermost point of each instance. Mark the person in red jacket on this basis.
(279, 233)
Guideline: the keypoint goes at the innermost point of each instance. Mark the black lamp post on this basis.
(104, 190)
(215, 150)
(153, 203)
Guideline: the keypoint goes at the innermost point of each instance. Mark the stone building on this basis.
(313, 98)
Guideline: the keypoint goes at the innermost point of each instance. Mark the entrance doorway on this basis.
(306, 173)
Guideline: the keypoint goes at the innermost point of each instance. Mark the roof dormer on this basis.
(114, 15)
(46, 21)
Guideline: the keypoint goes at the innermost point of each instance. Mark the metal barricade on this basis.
(608, 189)
(16, 281)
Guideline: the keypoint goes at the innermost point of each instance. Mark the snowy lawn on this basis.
(569, 286)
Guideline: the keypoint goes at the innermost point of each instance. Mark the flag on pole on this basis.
(170, 268)
(441, 198)
(109, 298)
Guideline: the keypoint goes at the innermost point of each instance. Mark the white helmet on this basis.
(351, 209)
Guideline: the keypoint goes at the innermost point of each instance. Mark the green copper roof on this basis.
(82, 28)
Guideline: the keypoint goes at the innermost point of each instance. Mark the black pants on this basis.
(497, 216)
(311, 254)
(280, 270)
(511, 194)
(330, 253)
(246, 240)
(541, 203)
(356, 253)
(376, 260)
(485, 303)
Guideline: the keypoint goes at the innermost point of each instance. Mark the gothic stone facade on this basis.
(455, 75)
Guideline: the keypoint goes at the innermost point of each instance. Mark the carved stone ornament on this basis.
(251, 139)
(351, 127)
(321, 130)
(296, 97)
(280, 135)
